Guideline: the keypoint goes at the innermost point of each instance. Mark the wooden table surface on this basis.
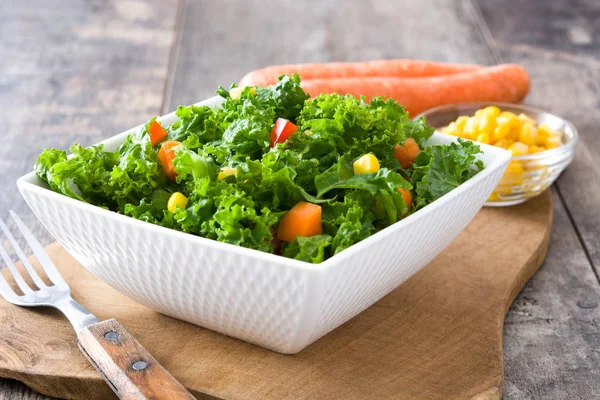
(84, 70)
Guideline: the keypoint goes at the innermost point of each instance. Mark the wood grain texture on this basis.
(551, 339)
(75, 70)
(437, 336)
(14, 390)
(130, 371)
(552, 328)
(556, 40)
(220, 44)
(66, 74)
(559, 43)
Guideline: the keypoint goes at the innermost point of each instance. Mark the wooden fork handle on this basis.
(126, 366)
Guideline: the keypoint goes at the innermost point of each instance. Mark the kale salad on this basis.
(270, 169)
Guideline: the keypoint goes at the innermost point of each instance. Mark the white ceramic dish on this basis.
(275, 302)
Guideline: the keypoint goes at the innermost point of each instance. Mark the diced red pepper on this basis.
(166, 154)
(282, 130)
(157, 133)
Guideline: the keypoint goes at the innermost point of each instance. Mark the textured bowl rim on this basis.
(500, 158)
(570, 132)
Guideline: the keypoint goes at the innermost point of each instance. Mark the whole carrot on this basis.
(507, 82)
(398, 68)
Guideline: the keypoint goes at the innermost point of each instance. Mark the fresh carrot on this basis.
(407, 196)
(398, 68)
(507, 83)
(166, 154)
(407, 154)
(304, 219)
(157, 132)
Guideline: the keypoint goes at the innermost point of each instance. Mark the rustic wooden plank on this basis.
(13, 390)
(567, 27)
(221, 43)
(437, 336)
(336, 41)
(450, 32)
(74, 71)
(558, 42)
(552, 328)
(551, 339)
(397, 29)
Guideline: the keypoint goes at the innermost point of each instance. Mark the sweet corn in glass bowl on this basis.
(537, 160)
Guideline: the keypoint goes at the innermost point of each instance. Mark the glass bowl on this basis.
(527, 175)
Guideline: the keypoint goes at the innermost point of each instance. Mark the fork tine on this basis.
(32, 272)
(14, 272)
(6, 291)
(38, 250)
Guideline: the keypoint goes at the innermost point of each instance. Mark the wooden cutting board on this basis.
(437, 336)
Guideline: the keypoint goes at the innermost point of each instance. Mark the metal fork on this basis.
(128, 368)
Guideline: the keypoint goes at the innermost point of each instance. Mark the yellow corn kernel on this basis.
(524, 118)
(512, 118)
(508, 114)
(544, 132)
(491, 111)
(478, 113)
(504, 188)
(483, 138)
(515, 133)
(236, 92)
(519, 149)
(514, 167)
(226, 171)
(528, 134)
(553, 142)
(513, 174)
(502, 143)
(451, 129)
(501, 131)
(308, 132)
(461, 122)
(365, 164)
(176, 200)
(536, 149)
(493, 197)
(487, 124)
(458, 129)
(512, 129)
(470, 130)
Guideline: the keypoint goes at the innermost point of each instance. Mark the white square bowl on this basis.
(272, 301)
